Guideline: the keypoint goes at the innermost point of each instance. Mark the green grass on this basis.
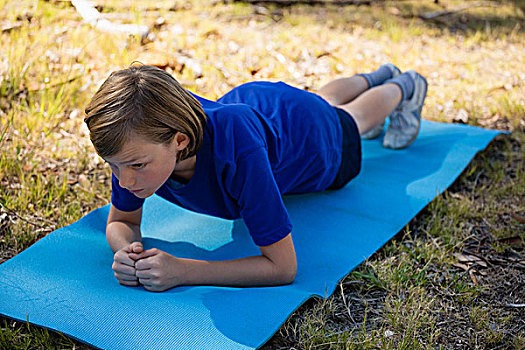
(408, 295)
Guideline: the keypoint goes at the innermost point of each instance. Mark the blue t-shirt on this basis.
(262, 140)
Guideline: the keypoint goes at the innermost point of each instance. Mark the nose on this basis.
(126, 179)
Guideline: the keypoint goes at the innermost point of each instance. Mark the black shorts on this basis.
(351, 158)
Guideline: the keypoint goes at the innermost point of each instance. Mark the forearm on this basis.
(120, 234)
(158, 270)
(251, 271)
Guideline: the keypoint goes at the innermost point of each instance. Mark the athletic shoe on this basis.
(375, 132)
(405, 121)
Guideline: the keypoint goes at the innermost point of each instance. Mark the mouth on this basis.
(136, 191)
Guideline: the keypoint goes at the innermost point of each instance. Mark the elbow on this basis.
(290, 277)
(287, 274)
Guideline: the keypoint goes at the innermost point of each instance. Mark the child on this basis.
(235, 158)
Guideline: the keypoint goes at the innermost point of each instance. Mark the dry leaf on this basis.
(461, 266)
(462, 116)
(157, 59)
(518, 218)
(473, 278)
(514, 240)
(394, 11)
(469, 261)
(83, 180)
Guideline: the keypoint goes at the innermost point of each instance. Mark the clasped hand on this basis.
(154, 269)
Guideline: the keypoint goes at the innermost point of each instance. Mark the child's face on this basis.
(142, 167)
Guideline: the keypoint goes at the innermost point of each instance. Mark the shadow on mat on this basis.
(240, 245)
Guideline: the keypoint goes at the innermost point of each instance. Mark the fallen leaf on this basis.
(473, 277)
(462, 116)
(83, 180)
(159, 22)
(394, 11)
(518, 218)
(467, 258)
(389, 333)
(461, 266)
(157, 59)
(515, 240)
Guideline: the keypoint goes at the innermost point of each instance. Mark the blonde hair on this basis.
(147, 101)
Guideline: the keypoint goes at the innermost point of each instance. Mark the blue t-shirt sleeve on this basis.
(123, 199)
(253, 186)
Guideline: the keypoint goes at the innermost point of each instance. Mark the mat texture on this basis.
(65, 282)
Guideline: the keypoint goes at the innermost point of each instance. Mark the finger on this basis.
(127, 276)
(121, 257)
(134, 256)
(153, 288)
(144, 274)
(136, 247)
(146, 264)
(129, 283)
(121, 268)
(145, 254)
(123, 277)
(145, 281)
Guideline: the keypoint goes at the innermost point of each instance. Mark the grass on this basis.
(409, 295)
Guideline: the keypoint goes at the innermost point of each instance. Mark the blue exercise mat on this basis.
(65, 282)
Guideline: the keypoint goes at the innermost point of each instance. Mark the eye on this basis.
(138, 165)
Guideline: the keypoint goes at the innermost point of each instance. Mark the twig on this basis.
(353, 282)
(345, 304)
(307, 2)
(91, 15)
(435, 14)
(25, 220)
(109, 7)
(70, 80)
(515, 305)
(476, 180)
(10, 27)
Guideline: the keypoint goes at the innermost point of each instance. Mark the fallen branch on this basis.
(9, 27)
(91, 15)
(103, 5)
(50, 86)
(308, 2)
(26, 220)
(436, 14)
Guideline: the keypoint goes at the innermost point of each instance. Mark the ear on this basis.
(180, 141)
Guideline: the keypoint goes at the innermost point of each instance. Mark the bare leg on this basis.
(373, 106)
(341, 91)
